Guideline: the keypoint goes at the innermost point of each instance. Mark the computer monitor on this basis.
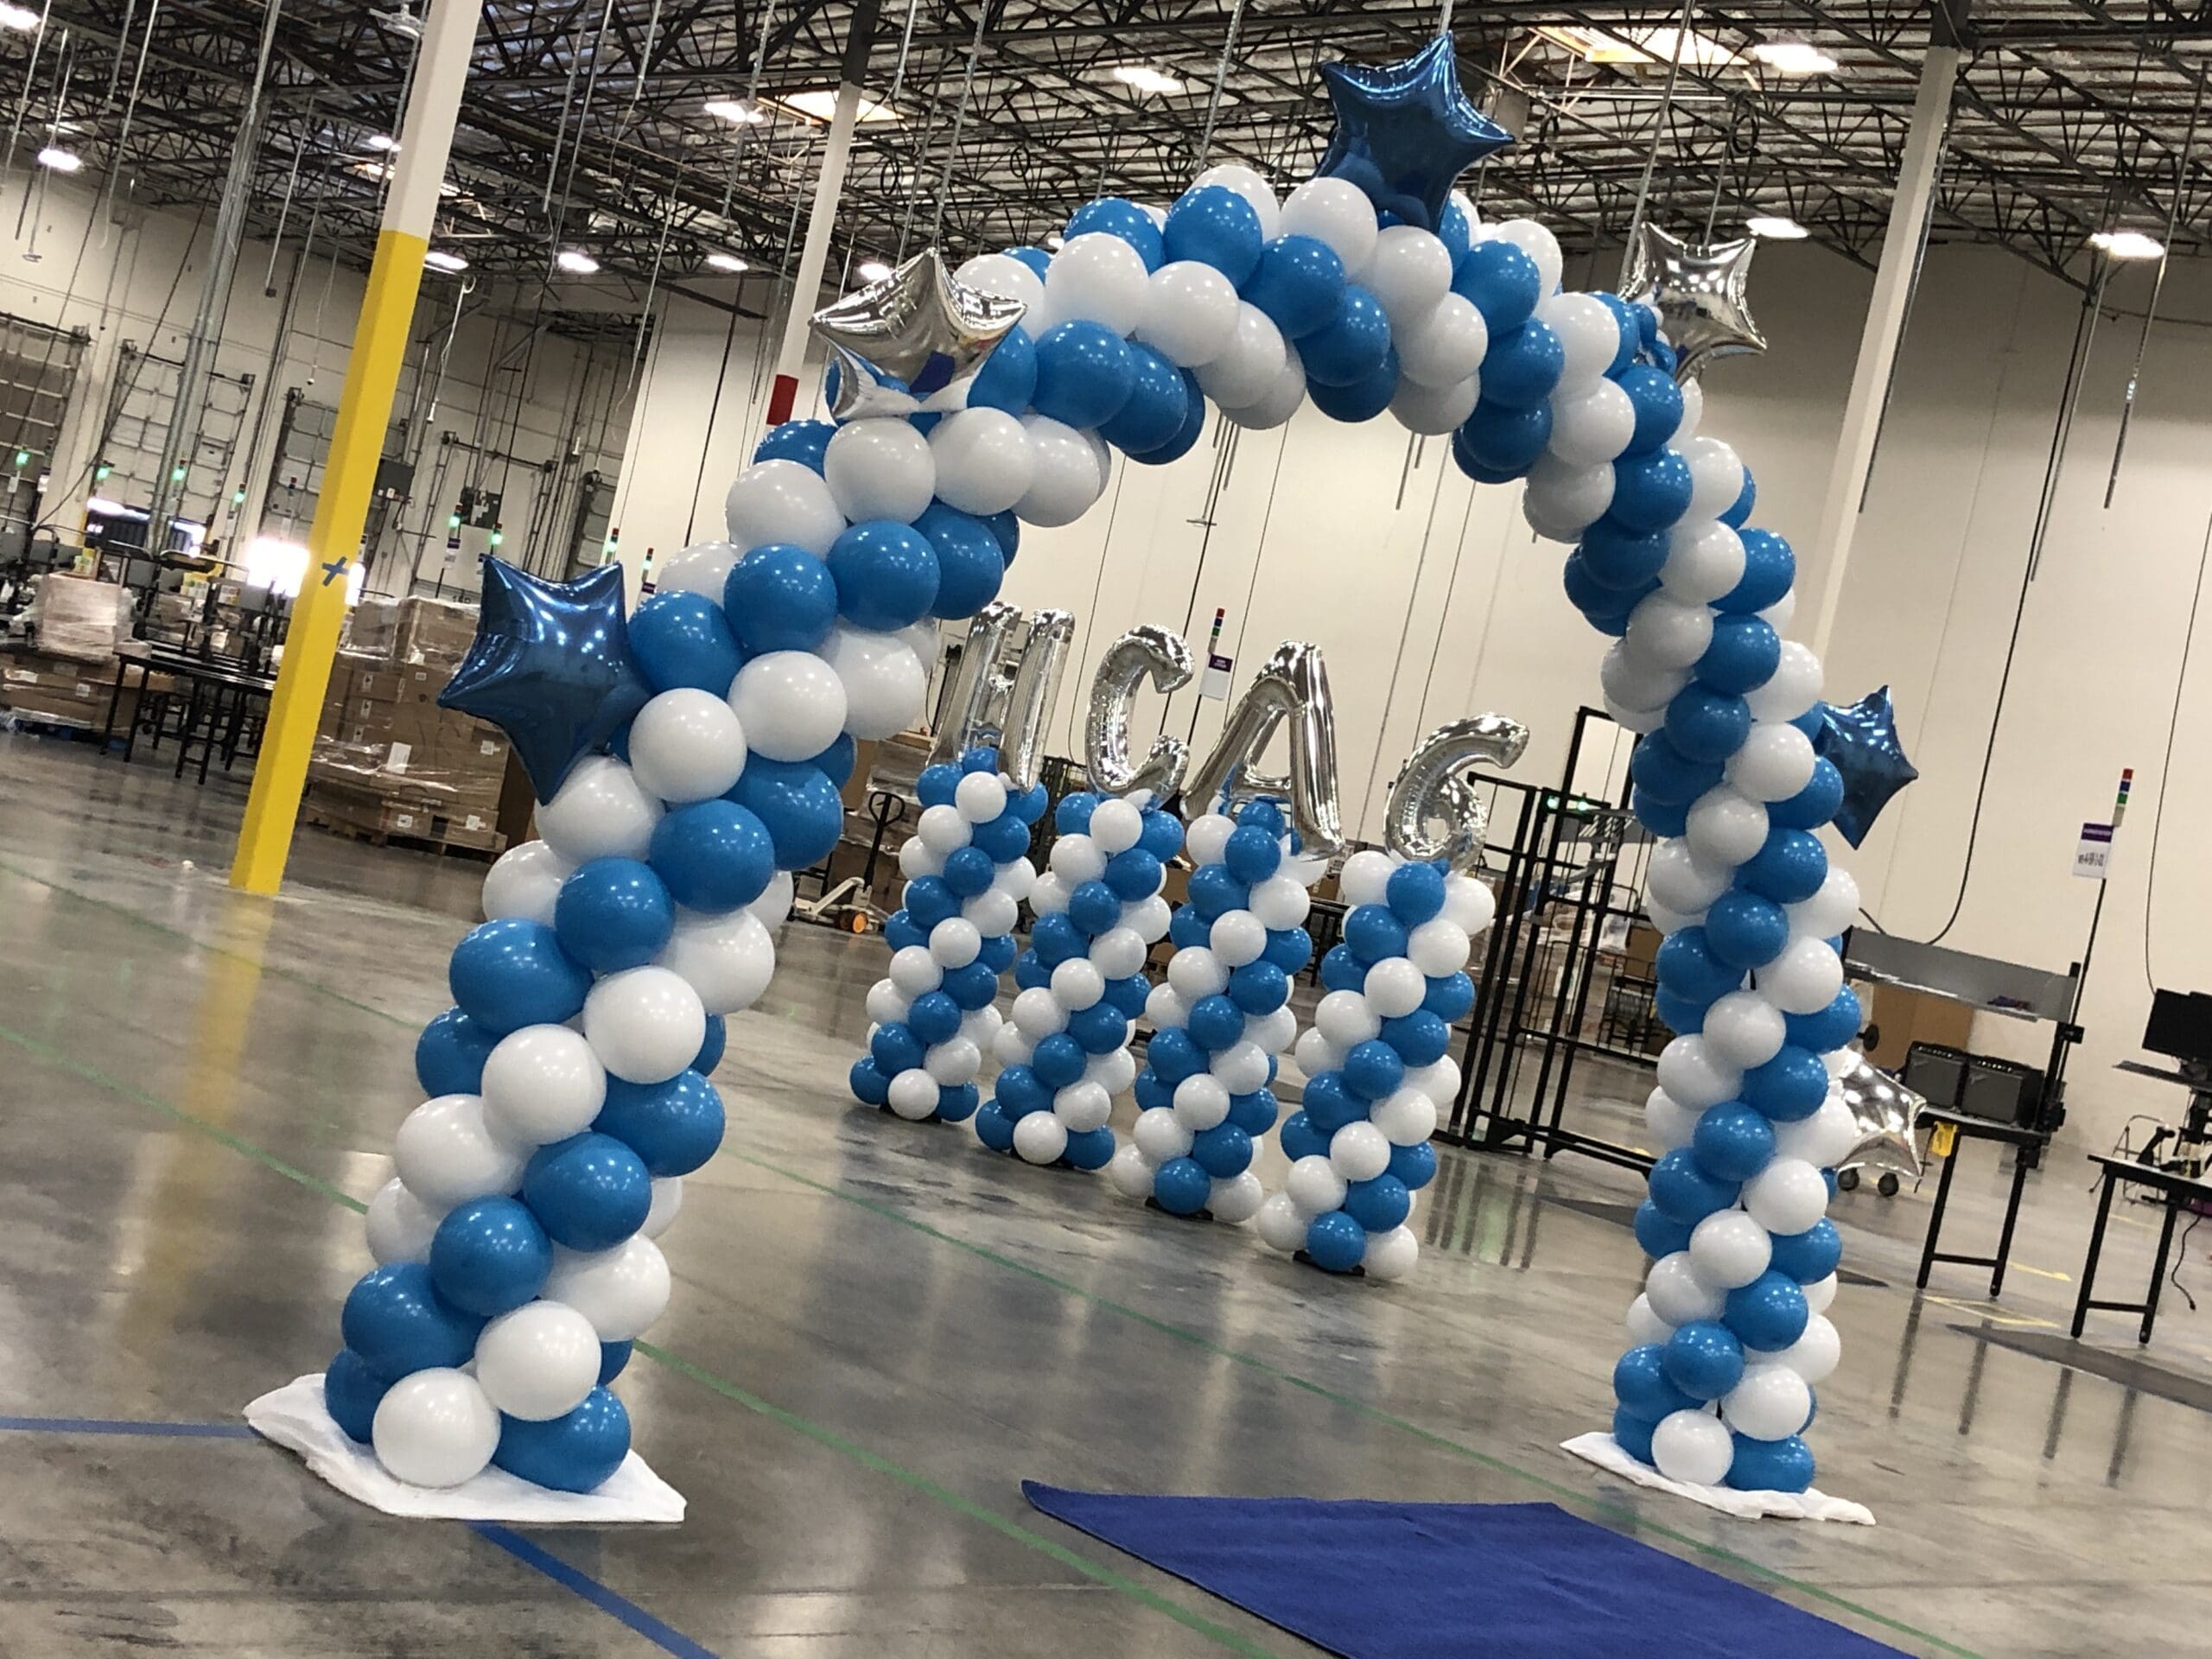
(2180, 1027)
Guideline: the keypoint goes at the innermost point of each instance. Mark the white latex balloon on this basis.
(1725, 829)
(1803, 979)
(1392, 1255)
(702, 568)
(1077, 984)
(1314, 1185)
(979, 796)
(621, 1291)
(1359, 1152)
(1161, 1134)
(525, 882)
(1693, 1074)
(728, 959)
(538, 1362)
(1195, 971)
(1540, 245)
(912, 1094)
(1007, 277)
(1256, 190)
(884, 683)
(1280, 1224)
(1365, 877)
(1729, 1250)
(1468, 903)
(790, 703)
(1337, 212)
(995, 912)
(1693, 413)
(1774, 764)
(1040, 1138)
(1828, 912)
(1409, 272)
(646, 1024)
(1777, 615)
(1768, 1402)
(1238, 938)
(668, 1200)
(1439, 947)
(686, 745)
(1664, 632)
(1693, 1448)
(1281, 902)
(955, 943)
(435, 1428)
(1066, 476)
(914, 971)
(1129, 1173)
(1432, 412)
(1190, 312)
(541, 1085)
(1097, 278)
(1675, 1293)
(1439, 1080)
(1316, 1053)
(1284, 398)
(1635, 683)
(1679, 882)
(1208, 835)
(1117, 826)
(1345, 1019)
(447, 1156)
(879, 467)
(1716, 476)
(600, 811)
(884, 1004)
(1084, 1106)
(1794, 687)
(1250, 365)
(1561, 499)
(1671, 1124)
(1592, 423)
(982, 457)
(782, 501)
(1201, 1103)
(1113, 1072)
(1744, 1029)
(1038, 1013)
(1407, 1117)
(1815, 1354)
(1704, 560)
(1242, 1068)
(400, 1224)
(1788, 1196)
(1823, 1140)
(1589, 335)
(1446, 345)
(1395, 987)
(1048, 895)
(1820, 1295)
(943, 829)
(774, 903)
(1236, 1198)
(1644, 1325)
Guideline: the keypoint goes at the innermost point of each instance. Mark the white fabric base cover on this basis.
(1811, 1504)
(296, 1418)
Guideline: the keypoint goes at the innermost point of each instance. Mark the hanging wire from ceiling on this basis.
(1220, 81)
(959, 119)
(129, 111)
(1661, 123)
(34, 199)
(752, 106)
(561, 128)
(2166, 766)
(2158, 287)
(23, 98)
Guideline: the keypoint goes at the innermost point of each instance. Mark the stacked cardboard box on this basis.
(79, 619)
(56, 691)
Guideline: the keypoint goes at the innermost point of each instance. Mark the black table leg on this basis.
(2096, 1249)
(114, 701)
(2158, 1267)
(1935, 1214)
(2020, 1167)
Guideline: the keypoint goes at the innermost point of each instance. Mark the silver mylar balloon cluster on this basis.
(1700, 294)
(1886, 1112)
(912, 340)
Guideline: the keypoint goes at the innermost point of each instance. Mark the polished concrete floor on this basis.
(879, 1331)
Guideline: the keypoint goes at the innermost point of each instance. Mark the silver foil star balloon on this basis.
(911, 341)
(1886, 1111)
(1700, 294)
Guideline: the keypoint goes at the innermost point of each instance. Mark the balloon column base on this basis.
(1305, 1261)
(1178, 1215)
(296, 1418)
(1811, 1505)
(932, 1122)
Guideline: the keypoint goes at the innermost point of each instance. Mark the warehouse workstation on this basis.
(899, 827)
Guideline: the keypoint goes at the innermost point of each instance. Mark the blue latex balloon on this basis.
(590, 1192)
(1522, 366)
(1255, 1113)
(1651, 492)
(1289, 949)
(490, 1255)
(958, 1103)
(1663, 772)
(1058, 1060)
(1260, 987)
(1813, 805)
(968, 872)
(713, 855)
(1832, 1027)
(1739, 512)
(1632, 1434)
(1251, 852)
(1496, 442)
(937, 785)
(1621, 558)
(1297, 285)
(1704, 1359)
(1453, 230)
(1331, 1103)
(1809, 1256)
(796, 803)
(510, 973)
(1182, 1186)
(551, 666)
(1660, 819)
(395, 1319)
(680, 639)
(1117, 216)
(1643, 1387)
(573, 1454)
(710, 1050)
(969, 568)
(613, 914)
(1089, 1149)
(1215, 227)
(1174, 1053)
(1073, 815)
(1159, 399)
(1743, 654)
(1415, 893)
(1334, 1242)
(1860, 740)
(1351, 346)
(1340, 969)
(804, 441)
(1789, 1087)
(1678, 1014)
(450, 1053)
(1745, 931)
(673, 1126)
(1658, 405)
(1134, 875)
(1223, 1151)
(895, 1047)
(1360, 400)
(837, 761)
(1379, 1204)
(886, 575)
(866, 1079)
(1084, 373)
(779, 597)
(1419, 1038)
(1186, 435)
(1300, 1138)
(1215, 1023)
(1374, 934)
(1405, 132)
(1502, 281)
(1732, 1142)
(1769, 567)
(1451, 997)
(1707, 724)
(1783, 1466)
(1008, 379)
(1101, 1028)
(934, 1017)
(1372, 1069)
(1021, 1091)
(352, 1392)
(1659, 1233)
(612, 1357)
(1788, 867)
(1093, 908)
(1685, 1191)
(1769, 1313)
(993, 1127)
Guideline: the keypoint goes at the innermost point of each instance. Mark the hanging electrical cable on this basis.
(129, 111)
(23, 98)
(959, 119)
(2166, 765)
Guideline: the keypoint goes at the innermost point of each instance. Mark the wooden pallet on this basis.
(375, 837)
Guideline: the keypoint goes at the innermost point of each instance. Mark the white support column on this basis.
(1878, 344)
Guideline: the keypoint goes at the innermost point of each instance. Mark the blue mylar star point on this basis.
(1405, 132)
(551, 666)
(1860, 740)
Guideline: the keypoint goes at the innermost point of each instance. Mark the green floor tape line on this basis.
(820, 1434)
(1581, 1499)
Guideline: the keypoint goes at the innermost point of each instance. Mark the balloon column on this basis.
(935, 1013)
(1220, 1018)
(1376, 1065)
(1066, 1049)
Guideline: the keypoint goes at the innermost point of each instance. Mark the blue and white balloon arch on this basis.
(687, 769)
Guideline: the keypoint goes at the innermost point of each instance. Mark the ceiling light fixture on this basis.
(1775, 227)
(874, 270)
(819, 105)
(1146, 79)
(736, 111)
(1793, 58)
(2127, 244)
(61, 160)
(369, 169)
(1642, 46)
(1055, 240)
(21, 19)
(382, 141)
(439, 259)
(576, 262)
(728, 262)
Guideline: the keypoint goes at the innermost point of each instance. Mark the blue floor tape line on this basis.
(126, 1425)
(664, 1637)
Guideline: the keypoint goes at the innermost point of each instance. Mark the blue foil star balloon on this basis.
(1405, 132)
(551, 666)
(1861, 741)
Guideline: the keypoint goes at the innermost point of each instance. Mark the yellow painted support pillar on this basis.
(357, 444)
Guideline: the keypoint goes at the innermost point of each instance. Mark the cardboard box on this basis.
(1902, 1017)
(78, 618)
(433, 630)
(377, 816)
(60, 692)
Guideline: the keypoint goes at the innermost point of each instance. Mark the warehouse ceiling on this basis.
(587, 123)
